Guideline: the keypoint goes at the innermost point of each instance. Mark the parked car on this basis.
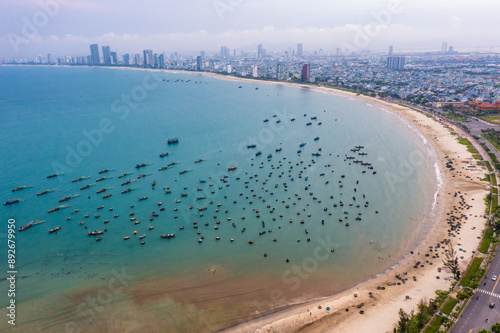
(494, 277)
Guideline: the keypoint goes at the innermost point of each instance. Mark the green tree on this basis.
(404, 322)
(495, 328)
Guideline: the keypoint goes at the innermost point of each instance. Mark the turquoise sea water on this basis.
(78, 121)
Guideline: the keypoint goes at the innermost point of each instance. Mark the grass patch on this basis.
(435, 324)
(455, 117)
(449, 305)
(488, 165)
(473, 268)
(486, 178)
(485, 243)
(493, 179)
(491, 119)
(470, 147)
(491, 140)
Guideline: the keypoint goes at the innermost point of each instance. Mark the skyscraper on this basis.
(306, 72)
(224, 51)
(137, 59)
(114, 59)
(259, 51)
(396, 63)
(126, 59)
(390, 50)
(148, 58)
(94, 54)
(444, 48)
(280, 70)
(106, 55)
(161, 60)
(299, 50)
(202, 54)
(198, 63)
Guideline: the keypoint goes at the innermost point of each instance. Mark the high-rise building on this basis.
(306, 72)
(148, 58)
(161, 61)
(450, 50)
(259, 51)
(255, 72)
(202, 54)
(444, 48)
(224, 52)
(126, 59)
(229, 69)
(396, 63)
(280, 70)
(94, 54)
(106, 55)
(299, 50)
(137, 59)
(114, 59)
(390, 50)
(198, 63)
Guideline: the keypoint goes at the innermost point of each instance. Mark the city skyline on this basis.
(66, 28)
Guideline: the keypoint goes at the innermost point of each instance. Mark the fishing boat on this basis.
(142, 236)
(95, 232)
(55, 209)
(183, 194)
(65, 199)
(252, 145)
(182, 172)
(316, 138)
(266, 120)
(198, 161)
(138, 166)
(173, 140)
(54, 175)
(202, 181)
(269, 156)
(231, 168)
(127, 190)
(258, 153)
(84, 187)
(104, 171)
(141, 176)
(21, 188)
(293, 119)
(126, 237)
(25, 227)
(106, 196)
(316, 154)
(43, 192)
(77, 180)
(126, 182)
(172, 164)
(201, 198)
(279, 149)
(164, 154)
(163, 168)
(309, 124)
(142, 198)
(10, 202)
(314, 118)
(167, 235)
(153, 183)
(98, 239)
(202, 208)
(54, 229)
(360, 147)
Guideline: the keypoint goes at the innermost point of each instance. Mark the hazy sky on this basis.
(67, 27)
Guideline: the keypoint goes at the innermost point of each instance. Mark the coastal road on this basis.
(473, 318)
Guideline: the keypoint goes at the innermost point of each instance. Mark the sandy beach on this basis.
(355, 309)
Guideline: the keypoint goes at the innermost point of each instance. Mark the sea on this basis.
(341, 191)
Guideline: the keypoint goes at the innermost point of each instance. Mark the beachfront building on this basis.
(126, 59)
(148, 58)
(94, 54)
(198, 63)
(306, 72)
(106, 55)
(255, 71)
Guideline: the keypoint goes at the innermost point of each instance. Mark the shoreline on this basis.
(381, 311)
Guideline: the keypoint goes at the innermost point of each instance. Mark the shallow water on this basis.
(79, 121)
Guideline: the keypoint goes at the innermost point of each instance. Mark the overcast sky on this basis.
(67, 27)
